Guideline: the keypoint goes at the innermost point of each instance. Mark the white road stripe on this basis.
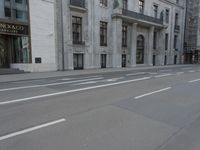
(31, 129)
(192, 81)
(162, 75)
(166, 70)
(151, 93)
(191, 71)
(186, 68)
(134, 74)
(153, 73)
(71, 91)
(66, 79)
(84, 83)
(51, 84)
(179, 73)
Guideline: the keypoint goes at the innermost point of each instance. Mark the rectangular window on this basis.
(104, 3)
(77, 29)
(141, 6)
(7, 12)
(166, 41)
(155, 9)
(125, 4)
(176, 19)
(103, 33)
(19, 14)
(167, 15)
(124, 35)
(154, 40)
(175, 42)
(19, 1)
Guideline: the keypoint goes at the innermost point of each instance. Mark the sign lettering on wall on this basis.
(13, 29)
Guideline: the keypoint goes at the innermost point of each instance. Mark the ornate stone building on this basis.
(119, 33)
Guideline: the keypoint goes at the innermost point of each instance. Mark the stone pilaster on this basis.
(116, 42)
(150, 47)
(133, 45)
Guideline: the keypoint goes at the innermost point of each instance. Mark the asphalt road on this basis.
(153, 109)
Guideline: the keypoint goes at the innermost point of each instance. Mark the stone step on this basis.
(4, 71)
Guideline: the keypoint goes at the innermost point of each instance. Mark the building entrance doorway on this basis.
(4, 52)
(78, 61)
(123, 60)
(140, 50)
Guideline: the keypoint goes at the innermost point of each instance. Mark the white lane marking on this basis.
(82, 78)
(71, 91)
(84, 83)
(65, 79)
(114, 79)
(162, 75)
(166, 70)
(153, 73)
(154, 92)
(29, 81)
(50, 84)
(191, 71)
(134, 74)
(179, 73)
(192, 81)
(31, 129)
(186, 68)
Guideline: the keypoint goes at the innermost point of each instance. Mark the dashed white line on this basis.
(134, 74)
(31, 129)
(192, 81)
(163, 75)
(191, 71)
(71, 91)
(166, 70)
(51, 84)
(84, 83)
(151, 93)
(179, 73)
(186, 68)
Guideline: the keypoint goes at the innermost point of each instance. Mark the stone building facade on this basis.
(119, 33)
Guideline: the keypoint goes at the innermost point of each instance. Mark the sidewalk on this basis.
(41, 75)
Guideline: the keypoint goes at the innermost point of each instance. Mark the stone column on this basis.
(133, 44)
(116, 42)
(150, 47)
(161, 48)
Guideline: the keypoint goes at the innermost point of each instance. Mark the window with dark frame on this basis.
(7, 12)
(77, 29)
(154, 40)
(104, 3)
(125, 4)
(175, 42)
(167, 15)
(124, 35)
(176, 19)
(103, 33)
(155, 9)
(166, 41)
(141, 6)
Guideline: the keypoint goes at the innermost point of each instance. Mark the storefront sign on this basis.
(13, 29)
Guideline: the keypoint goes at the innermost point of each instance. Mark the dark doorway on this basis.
(165, 61)
(4, 52)
(154, 60)
(123, 60)
(140, 50)
(175, 59)
(78, 61)
(103, 60)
